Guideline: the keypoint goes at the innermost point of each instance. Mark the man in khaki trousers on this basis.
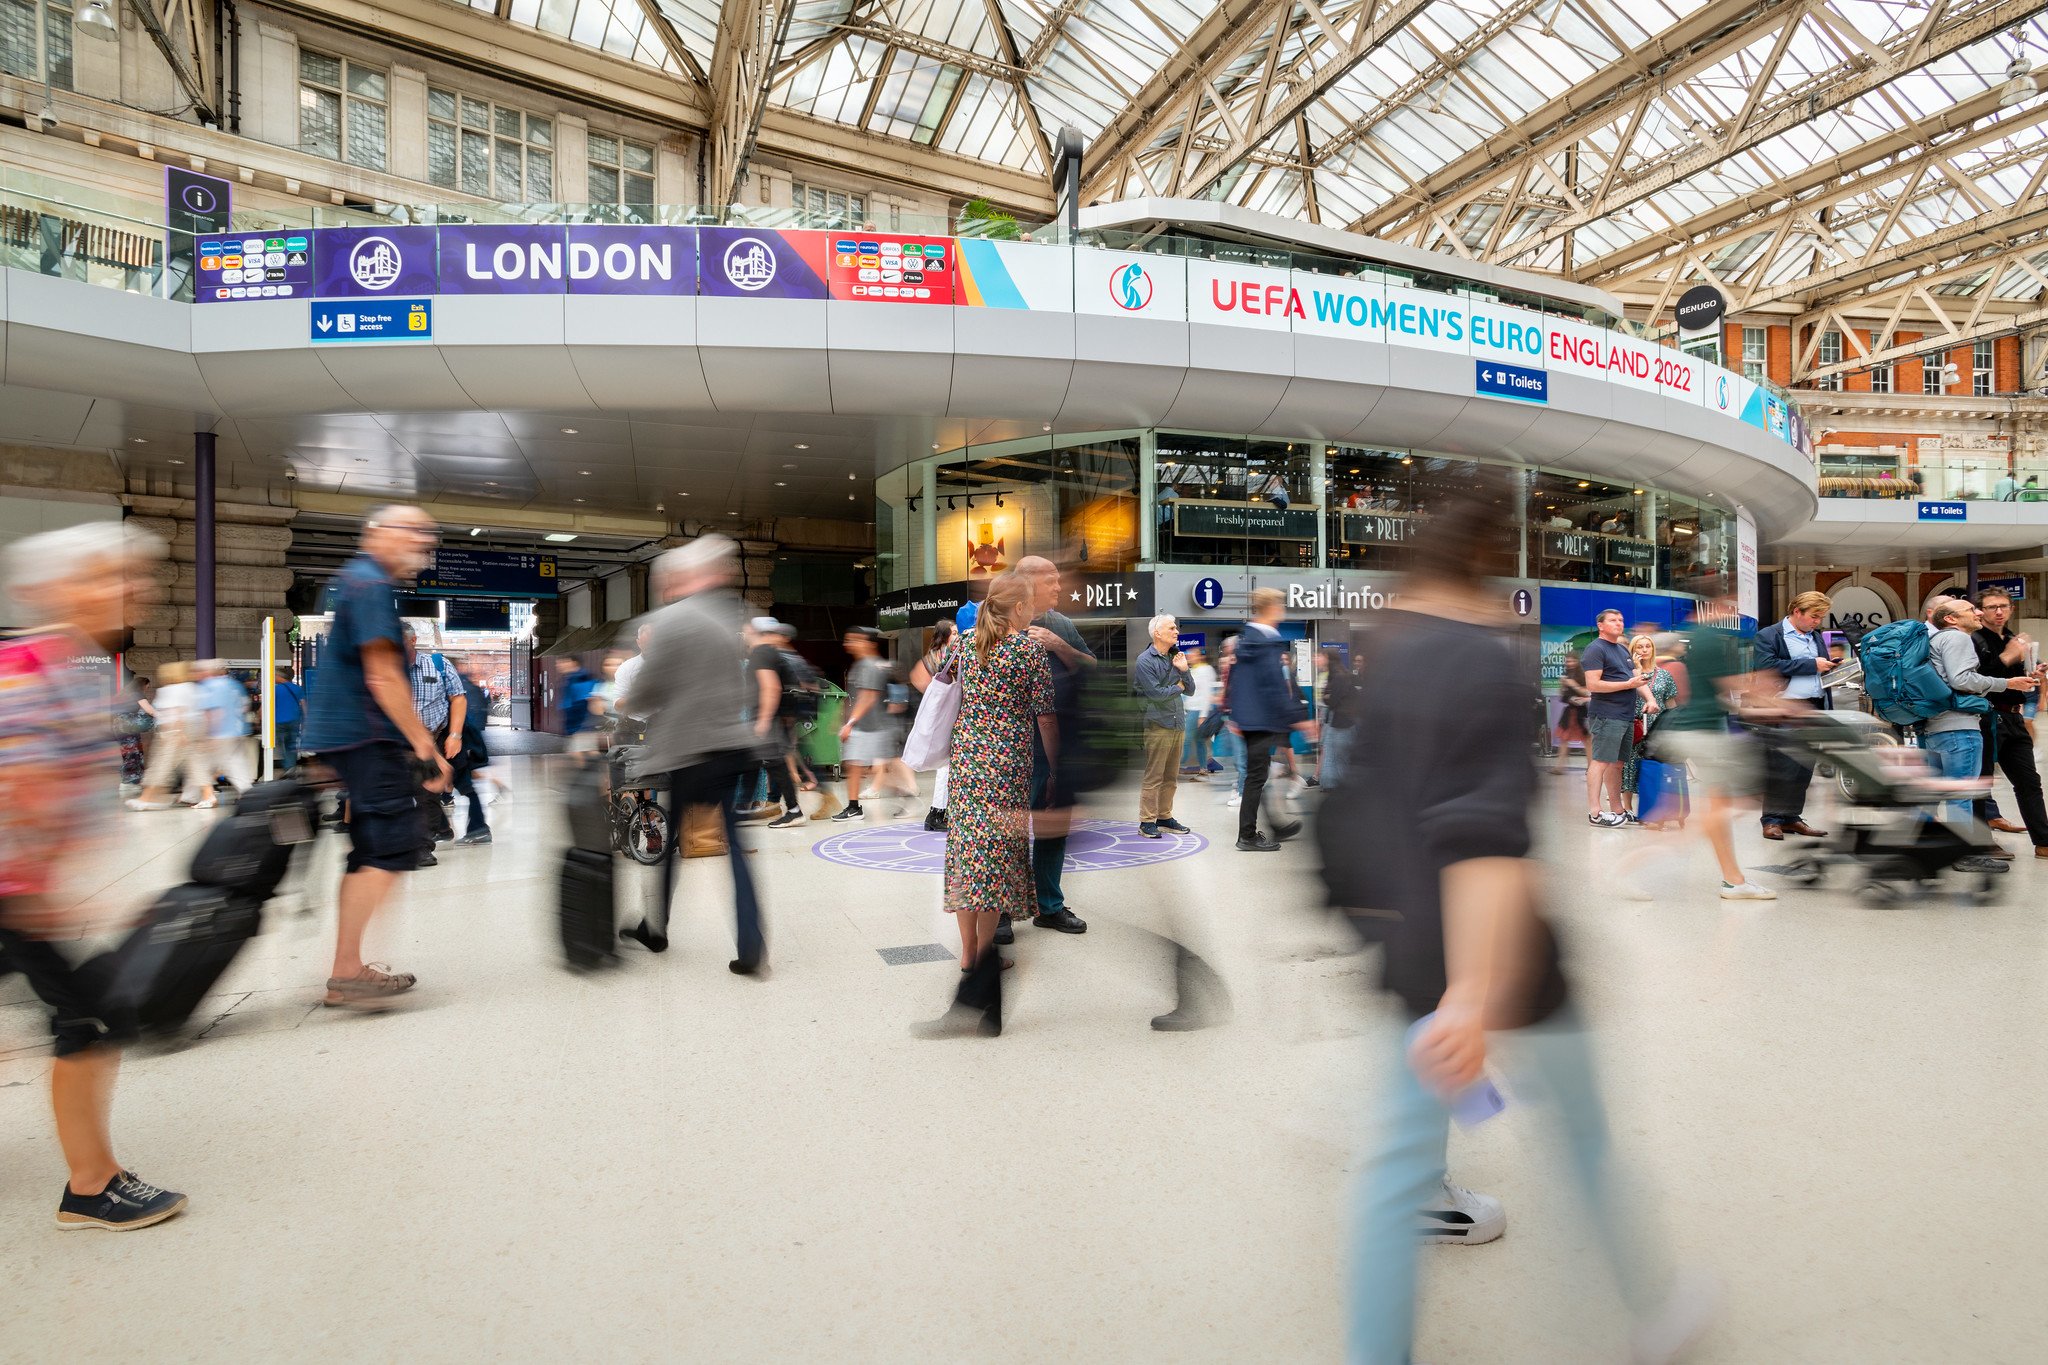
(1161, 677)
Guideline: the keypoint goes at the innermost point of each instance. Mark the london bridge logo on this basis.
(1130, 287)
(375, 263)
(749, 264)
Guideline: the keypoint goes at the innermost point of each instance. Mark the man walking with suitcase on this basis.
(362, 723)
(80, 588)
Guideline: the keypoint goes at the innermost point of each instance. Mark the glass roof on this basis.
(1426, 136)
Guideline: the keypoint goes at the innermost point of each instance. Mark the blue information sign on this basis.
(372, 320)
(489, 573)
(1524, 601)
(1511, 381)
(1192, 639)
(1944, 511)
(2013, 585)
(1209, 594)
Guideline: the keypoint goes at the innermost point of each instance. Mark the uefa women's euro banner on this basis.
(898, 268)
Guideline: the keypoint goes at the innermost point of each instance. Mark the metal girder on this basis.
(1006, 42)
(1854, 279)
(1702, 38)
(1968, 323)
(750, 33)
(1048, 34)
(1858, 170)
(184, 36)
(1788, 110)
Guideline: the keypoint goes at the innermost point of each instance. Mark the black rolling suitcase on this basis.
(589, 921)
(154, 979)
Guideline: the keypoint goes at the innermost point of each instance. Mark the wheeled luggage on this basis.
(589, 923)
(155, 978)
(250, 849)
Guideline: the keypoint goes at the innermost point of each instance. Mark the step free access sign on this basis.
(372, 320)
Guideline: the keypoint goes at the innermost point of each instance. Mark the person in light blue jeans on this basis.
(1952, 740)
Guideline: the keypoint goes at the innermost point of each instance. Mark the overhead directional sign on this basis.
(372, 320)
(489, 573)
(1511, 381)
(1944, 511)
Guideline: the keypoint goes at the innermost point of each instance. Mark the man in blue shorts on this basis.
(1610, 718)
(361, 723)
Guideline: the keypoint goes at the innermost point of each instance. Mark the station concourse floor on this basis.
(1837, 1110)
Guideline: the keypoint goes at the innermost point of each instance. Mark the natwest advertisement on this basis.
(885, 268)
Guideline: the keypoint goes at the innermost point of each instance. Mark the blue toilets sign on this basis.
(372, 320)
(1944, 511)
(1511, 381)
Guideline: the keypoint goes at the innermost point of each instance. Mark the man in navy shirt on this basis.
(1612, 678)
(361, 722)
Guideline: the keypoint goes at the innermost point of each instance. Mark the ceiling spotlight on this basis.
(579, 500)
(851, 475)
(935, 445)
(138, 440)
(789, 466)
(177, 462)
(1585, 483)
(584, 472)
(682, 495)
(490, 483)
(94, 21)
(803, 445)
(1636, 490)
(568, 431)
(850, 498)
(1046, 427)
(476, 530)
(999, 499)
(910, 504)
(952, 504)
(780, 484)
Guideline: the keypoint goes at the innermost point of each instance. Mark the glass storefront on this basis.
(1110, 502)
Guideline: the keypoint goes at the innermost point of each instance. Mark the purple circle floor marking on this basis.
(1094, 846)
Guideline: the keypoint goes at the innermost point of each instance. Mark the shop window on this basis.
(489, 150)
(1585, 531)
(1756, 353)
(35, 41)
(1830, 353)
(1983, 361)
(622, 176)
(1218, 500)
(1074, 503)
(343, 111)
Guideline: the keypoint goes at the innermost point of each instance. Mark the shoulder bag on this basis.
(930, 745)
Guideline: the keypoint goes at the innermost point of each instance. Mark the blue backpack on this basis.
(1901, 680)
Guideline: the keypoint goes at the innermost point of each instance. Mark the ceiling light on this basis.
(1583, 483)
(789, 466)
(852, 475)
(803, 445)
(935, 445)
(490, 483)
(1638, 490)
(584, 472)
(682, 495)
(138, 440)
(476, 530)
(94, 21)
(850, 497)
(177, 462)
(999, 499)
(558, 537)
(568, 431)
(579, 500)
(1407, 459)
(1046, 427)
(780, 484)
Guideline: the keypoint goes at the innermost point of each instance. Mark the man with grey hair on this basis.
(80, 589)
(362, 723)
(1161, 676)
(692, 689)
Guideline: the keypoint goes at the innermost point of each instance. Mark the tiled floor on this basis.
(1837, 1109)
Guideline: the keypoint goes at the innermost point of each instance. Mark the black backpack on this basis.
(800, 694)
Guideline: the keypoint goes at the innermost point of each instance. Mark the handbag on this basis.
(1211, 725)
(930, 745)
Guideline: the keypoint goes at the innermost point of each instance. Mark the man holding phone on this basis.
(1611, 677)
(1791, 650)
(2003, 654)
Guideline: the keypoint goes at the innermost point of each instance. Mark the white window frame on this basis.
(824, 206)
(1880, 378)
(1829, 353)
(492, 140)
(1756, 353)
(1930, 373)
(1983, 367)
(52, 17)
(346, 97)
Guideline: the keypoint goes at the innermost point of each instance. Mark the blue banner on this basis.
(355, 263)
(1944, 511)
(1511, 381)
(498, 258)
(373, 320)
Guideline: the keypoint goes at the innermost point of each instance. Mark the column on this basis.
(202, 542)
(928, 521)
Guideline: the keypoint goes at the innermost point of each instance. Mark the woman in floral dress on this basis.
(1005, 691)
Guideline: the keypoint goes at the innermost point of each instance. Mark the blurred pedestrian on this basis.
(222, 705)
(1228, 743)
(921, 678)
(474, 754)
(1791, 650)
(1162, 676)
(1196, 759)
(78, 590)
(288, 714)
(869, 737)
(772, 681)
(177, 742)
(442, 700)
(1265, 706)
(575, 685)
(693, 688)
(1006, 709)
(1572, 696)
(1952, 740)
(361, 721)
(1340, 715)
(1428, 848)
(1052, 795)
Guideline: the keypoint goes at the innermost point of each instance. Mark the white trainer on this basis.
(1747, 891)
(1463, 1217)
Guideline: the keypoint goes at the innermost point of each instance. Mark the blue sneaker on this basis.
(125, 1204)
(1175, 827)
(1149, 830)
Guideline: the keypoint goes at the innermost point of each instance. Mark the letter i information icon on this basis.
(1209, 594)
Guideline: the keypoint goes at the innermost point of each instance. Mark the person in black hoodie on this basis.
(1426, 848)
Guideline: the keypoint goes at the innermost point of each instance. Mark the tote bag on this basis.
(930, 744)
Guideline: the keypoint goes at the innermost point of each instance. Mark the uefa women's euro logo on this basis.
(375, 263)
(749, 264)
(1130, 287)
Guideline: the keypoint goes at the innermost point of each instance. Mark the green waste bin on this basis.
(819, 739)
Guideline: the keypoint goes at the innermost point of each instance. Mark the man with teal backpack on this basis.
(1926, 674)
